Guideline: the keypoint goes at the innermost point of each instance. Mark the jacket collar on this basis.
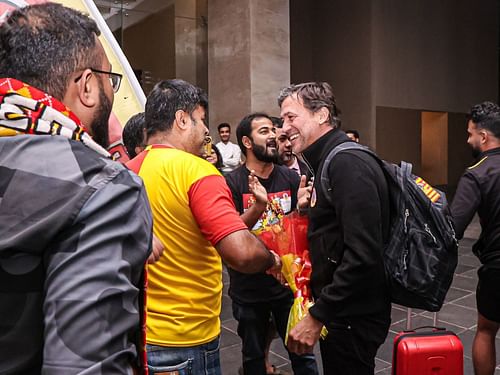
(316, 152)
(492, 151)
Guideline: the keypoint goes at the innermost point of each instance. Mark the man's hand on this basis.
(304, 335)
(255, 211)
(275, 270)
(304, 193)
(257, 189)
(157, 250)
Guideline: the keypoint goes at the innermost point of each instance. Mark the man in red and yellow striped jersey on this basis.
(195, 219)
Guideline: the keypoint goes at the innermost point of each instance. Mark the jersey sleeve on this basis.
(212, 206)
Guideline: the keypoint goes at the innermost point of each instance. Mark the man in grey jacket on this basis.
(75, 227)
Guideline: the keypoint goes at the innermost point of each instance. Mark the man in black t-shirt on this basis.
(257, 297)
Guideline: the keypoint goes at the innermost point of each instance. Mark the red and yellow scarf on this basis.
(25, 109)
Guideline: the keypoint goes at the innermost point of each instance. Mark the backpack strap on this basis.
(324, 178)
(405, 175)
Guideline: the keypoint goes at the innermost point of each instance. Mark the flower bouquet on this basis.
(288, 238)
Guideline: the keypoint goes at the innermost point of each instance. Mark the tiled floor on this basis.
(458, 314)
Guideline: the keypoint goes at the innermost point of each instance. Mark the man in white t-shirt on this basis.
(231, 153)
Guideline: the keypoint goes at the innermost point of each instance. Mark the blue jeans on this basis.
(253, 325)
(194, 360)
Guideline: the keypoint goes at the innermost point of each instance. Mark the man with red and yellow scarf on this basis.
(75, 227)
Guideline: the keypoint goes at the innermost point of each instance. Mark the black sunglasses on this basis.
(114, 78)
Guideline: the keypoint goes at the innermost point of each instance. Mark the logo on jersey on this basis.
(278, 204)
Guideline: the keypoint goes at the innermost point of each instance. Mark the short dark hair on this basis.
(133, 133)
(314, 96)
(277, 121)
(168, 97)
(245, 128)
(486, 115)
(223, 125)
(353, 132)
(43, 44)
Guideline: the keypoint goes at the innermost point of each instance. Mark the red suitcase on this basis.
(427, 351)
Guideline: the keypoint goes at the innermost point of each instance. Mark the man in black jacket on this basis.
(346, 239)
(479, 191)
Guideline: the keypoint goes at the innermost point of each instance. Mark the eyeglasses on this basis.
(114, 78)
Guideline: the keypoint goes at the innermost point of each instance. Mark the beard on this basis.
(100, 123)
(261, 154)
(476, 152)
(286, 157)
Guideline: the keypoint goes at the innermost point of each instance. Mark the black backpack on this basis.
(421, 254)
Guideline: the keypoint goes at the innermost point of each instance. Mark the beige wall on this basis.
(269, 53)
(228, 62)
(396, 126)
(338, 51)
(171, 43)
(202, 44)
(150, 45)
(389, 60)
(434, 138)
(439, 56)
(301, 41)
(191, 41)
(459, 152)
(435, 55)
(248, 58)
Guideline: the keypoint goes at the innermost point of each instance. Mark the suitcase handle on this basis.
(408, 320)
(434, 328)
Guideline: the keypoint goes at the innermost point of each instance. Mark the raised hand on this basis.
(257, 189)
(304, 193)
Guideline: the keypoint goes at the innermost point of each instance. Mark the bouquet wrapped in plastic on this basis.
(288, 238)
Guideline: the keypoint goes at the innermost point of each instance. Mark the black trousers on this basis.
(351, 345)
(253, 326)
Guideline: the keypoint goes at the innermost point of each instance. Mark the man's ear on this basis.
(484, 136)
(88, 89)
(181, 119)
(322, 115)
(247, 142)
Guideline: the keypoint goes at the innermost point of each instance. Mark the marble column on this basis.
(190, 41)
(248, 58)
